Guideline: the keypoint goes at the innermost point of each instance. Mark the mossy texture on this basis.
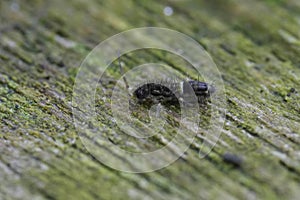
(256, 46)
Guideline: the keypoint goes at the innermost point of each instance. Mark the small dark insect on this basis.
(233, 159)
(169, 91)
(292, 90)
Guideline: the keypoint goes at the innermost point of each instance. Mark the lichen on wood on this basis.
(255, 45)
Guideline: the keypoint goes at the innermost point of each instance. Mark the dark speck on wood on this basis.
(232, 159)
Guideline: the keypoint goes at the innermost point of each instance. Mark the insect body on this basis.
(171, 92)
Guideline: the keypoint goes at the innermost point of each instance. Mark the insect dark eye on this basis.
(201, 86)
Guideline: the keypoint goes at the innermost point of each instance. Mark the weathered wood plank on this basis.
(256, 46)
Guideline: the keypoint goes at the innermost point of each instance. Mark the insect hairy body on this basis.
(172, 91)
